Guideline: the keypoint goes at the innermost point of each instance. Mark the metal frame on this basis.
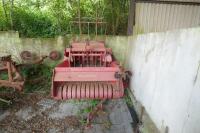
(97, 75)
(98, 22)
(16, 82)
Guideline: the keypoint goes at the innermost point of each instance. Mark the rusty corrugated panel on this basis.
(161, 17)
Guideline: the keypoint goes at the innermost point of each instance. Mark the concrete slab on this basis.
(68, 130)
(120, 129)
(4, 114)
(67, 109)
(25, 113)
(46, 104)
(53, 130)
(119, 112)
(96, 128)
(64, 109)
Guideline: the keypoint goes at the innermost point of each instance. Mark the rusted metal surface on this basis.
(26, 55)
(87, 72)
(15, 80)
(54, 55)
(32, 58)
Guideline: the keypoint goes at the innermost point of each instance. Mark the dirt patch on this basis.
(73, 122)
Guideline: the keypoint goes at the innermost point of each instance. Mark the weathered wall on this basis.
(119, 45)
(166, 80)
(10, 43)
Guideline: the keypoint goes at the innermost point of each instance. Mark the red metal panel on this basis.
(84, 76)
(87, 69)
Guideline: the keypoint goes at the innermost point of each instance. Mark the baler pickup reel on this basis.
(88, 71)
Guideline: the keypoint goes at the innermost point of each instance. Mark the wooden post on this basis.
(141, 114)
(131, 17)
(96, 26)
(167, 129)
(11, 13)
(79, 17)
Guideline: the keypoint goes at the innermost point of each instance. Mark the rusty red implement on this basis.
(15, 80)
(87, 72)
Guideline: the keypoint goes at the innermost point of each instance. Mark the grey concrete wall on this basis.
(166, 79)
(11, 43)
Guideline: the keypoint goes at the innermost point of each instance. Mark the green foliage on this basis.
(33, 23)
(91, 105)
(4, 24)
(48, 18)
(3, 76)
(38, 78)
(128, 99)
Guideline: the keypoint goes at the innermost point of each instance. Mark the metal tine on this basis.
(96, 94)
(87, 90)
(84, 86)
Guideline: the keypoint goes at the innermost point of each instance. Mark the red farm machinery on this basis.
(88, 71)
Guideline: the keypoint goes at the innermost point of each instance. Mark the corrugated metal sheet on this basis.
(183, 0)
(161, 17)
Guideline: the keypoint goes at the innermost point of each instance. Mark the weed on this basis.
(3, 76)
(128, 99)
(91, 104)
(38, 78)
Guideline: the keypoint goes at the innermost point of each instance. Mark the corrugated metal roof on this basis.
(183, 0)
(161, 17)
